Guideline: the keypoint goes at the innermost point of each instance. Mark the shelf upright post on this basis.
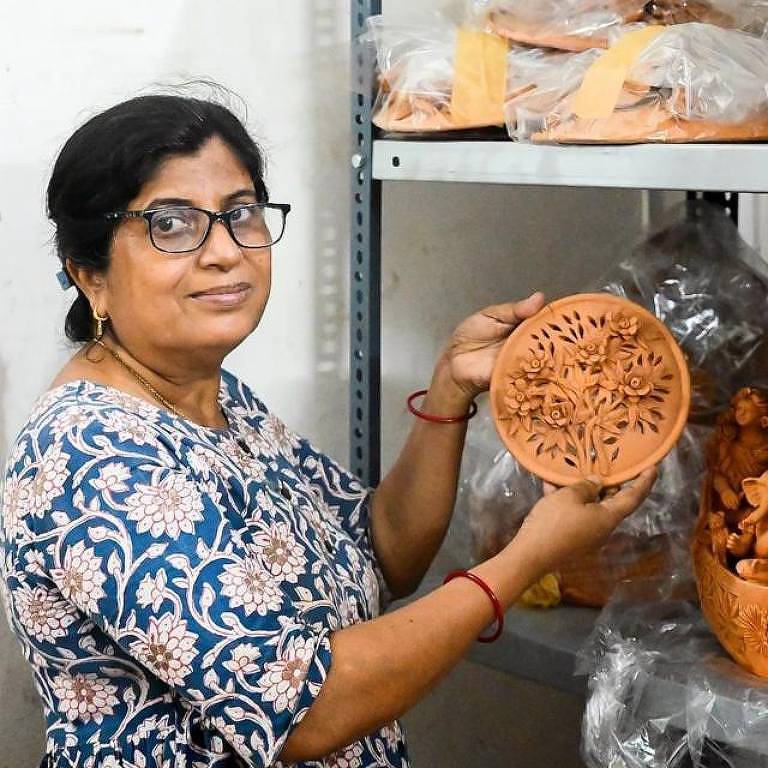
(365, 261)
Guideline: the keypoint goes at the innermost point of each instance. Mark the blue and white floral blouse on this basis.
(174, 586)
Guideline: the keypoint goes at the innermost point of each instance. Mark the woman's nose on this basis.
(220, 248)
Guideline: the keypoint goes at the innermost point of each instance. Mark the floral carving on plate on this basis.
(593, 384)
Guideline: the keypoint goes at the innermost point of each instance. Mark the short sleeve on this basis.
(161, 562)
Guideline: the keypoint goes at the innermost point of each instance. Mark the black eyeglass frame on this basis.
(225, 217)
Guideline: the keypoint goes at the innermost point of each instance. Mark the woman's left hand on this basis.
(472, 350)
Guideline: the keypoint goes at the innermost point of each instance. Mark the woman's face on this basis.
(203, 302)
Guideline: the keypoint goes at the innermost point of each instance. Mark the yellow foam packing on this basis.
(600, 90)
(480, 79)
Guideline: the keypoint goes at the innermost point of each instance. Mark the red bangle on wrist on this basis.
(491, 596)
(438, 419)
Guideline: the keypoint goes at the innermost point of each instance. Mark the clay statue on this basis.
(738, 466)
(739, 449)
(730, 546)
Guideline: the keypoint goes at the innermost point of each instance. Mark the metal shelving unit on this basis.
(536, 646)
(732, 168)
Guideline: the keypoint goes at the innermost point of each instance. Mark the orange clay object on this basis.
(730, 543)
(651, 123)
(592, 384)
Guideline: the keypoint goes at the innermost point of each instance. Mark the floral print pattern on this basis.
(174, 586)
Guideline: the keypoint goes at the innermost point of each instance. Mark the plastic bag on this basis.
(539, 81)
(494, 495)
(697, 275)
(654, 539)
(426, 86)
(638, 658)
(569, 25)
(692, 82)
(415, 65)
(661, 693)
(577, 25)
(727, 716)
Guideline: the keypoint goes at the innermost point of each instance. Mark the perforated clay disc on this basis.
(592, 384)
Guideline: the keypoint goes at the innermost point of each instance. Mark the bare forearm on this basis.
(383, 667)
(412, 506)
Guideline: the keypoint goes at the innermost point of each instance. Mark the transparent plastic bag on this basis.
(569, 25)
(539, 81)
(698, 276)
(654, 539)
(727, 716)
(415, 65)
(494, 495)
(638, 658)
(577, 25)
(419, 76)
(692, 82)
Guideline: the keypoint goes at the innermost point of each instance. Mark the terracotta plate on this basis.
(592, 384)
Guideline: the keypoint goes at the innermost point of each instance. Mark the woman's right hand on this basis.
(573, 520)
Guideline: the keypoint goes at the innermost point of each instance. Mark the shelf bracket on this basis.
(728, 200)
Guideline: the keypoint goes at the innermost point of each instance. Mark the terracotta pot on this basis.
(736, 610)
(593, 384)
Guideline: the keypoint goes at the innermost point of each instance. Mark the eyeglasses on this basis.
(181, 229)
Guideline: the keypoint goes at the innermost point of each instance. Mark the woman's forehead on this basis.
(206, 177)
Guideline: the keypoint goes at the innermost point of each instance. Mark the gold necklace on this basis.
(144, 383)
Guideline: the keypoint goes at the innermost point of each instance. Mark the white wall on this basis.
(62, 62)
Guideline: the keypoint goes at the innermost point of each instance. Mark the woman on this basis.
(192, 583)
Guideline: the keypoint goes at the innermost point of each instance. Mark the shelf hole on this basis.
(359, 218)
(358, 196)
(359, 257)
(359, 317)
(359, 413)
(359, 296)
(359, 375)
(359, 394)
(359, 276)
(358, 433)
(359, 456)
(359, 335)
(359, 237)
(359, 118)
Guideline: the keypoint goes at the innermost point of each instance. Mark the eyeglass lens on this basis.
(184, 229)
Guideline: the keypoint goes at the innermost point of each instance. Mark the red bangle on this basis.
(491, 596)
(438, 419)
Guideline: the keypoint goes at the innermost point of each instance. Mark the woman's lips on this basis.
(225, 296)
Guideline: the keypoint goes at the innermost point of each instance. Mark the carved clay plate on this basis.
(592, 384)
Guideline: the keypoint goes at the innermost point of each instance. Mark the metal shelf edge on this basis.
(732, 167)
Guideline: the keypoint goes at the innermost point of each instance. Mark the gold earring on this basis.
(99, 324)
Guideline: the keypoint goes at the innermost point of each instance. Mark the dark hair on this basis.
(107, 161)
